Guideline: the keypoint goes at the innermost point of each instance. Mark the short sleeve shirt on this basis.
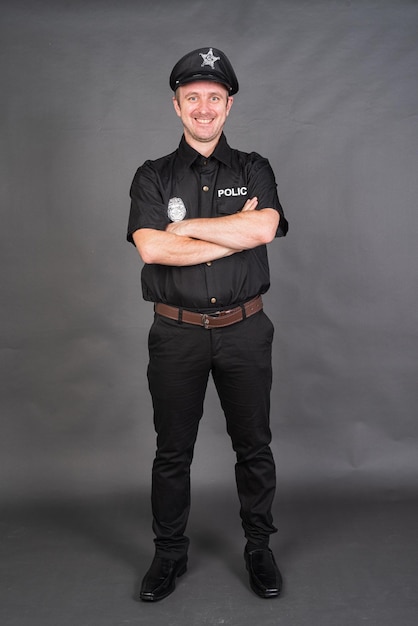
(186, 185)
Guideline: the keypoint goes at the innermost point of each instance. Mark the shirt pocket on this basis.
(230, 204)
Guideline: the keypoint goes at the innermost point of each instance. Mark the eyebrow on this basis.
(196, 93)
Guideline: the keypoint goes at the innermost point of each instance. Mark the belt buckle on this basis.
(205, 320)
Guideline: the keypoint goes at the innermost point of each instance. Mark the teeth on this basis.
(203, 121)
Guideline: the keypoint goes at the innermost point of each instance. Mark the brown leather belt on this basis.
(215, 320)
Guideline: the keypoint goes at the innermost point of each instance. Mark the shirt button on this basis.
(209, 263)
(205, 188)
(213, 300)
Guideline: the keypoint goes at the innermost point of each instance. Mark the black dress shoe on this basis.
(265, 578)
(160, 580)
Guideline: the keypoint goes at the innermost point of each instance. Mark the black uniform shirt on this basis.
(207, 187)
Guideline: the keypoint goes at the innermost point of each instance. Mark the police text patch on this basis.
(232, 191)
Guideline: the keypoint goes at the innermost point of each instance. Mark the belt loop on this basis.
(180, 317)
(244, 312)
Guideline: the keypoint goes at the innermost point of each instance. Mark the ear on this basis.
(229, 104)
(176, 106)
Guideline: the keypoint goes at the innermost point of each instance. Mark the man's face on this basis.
(203, 107)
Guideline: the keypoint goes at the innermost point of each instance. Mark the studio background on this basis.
(328, 92)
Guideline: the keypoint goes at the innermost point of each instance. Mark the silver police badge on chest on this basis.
(176, 210)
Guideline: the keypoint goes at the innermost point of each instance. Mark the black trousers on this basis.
(181, 358)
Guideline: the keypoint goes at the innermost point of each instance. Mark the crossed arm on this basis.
(201, 240)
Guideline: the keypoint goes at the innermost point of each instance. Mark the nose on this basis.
(204, 106)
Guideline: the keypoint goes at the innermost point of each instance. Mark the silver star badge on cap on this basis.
(209, 58)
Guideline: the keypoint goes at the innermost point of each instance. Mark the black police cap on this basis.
(204, 64)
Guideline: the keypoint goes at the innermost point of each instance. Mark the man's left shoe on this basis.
(265, 578)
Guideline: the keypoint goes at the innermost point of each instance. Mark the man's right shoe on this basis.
(265, 577)
(160, 580)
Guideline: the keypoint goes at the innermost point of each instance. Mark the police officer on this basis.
(200, 219)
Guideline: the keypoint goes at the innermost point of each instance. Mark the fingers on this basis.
(250, 205)
(173, 227)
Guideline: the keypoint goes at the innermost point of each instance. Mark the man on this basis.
(201, 218)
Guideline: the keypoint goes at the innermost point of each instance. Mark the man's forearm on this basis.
(243, 230)
(165, 248)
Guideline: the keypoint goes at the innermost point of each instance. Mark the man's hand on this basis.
(250, 205)
(175, 227)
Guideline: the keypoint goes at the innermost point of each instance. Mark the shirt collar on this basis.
(222, 152)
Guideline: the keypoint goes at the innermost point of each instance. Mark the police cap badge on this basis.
(204, 64)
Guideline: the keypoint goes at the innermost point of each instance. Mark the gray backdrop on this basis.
(329, 95)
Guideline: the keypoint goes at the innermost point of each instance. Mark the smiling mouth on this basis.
(203, 121)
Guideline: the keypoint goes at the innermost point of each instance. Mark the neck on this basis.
(202, 147)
